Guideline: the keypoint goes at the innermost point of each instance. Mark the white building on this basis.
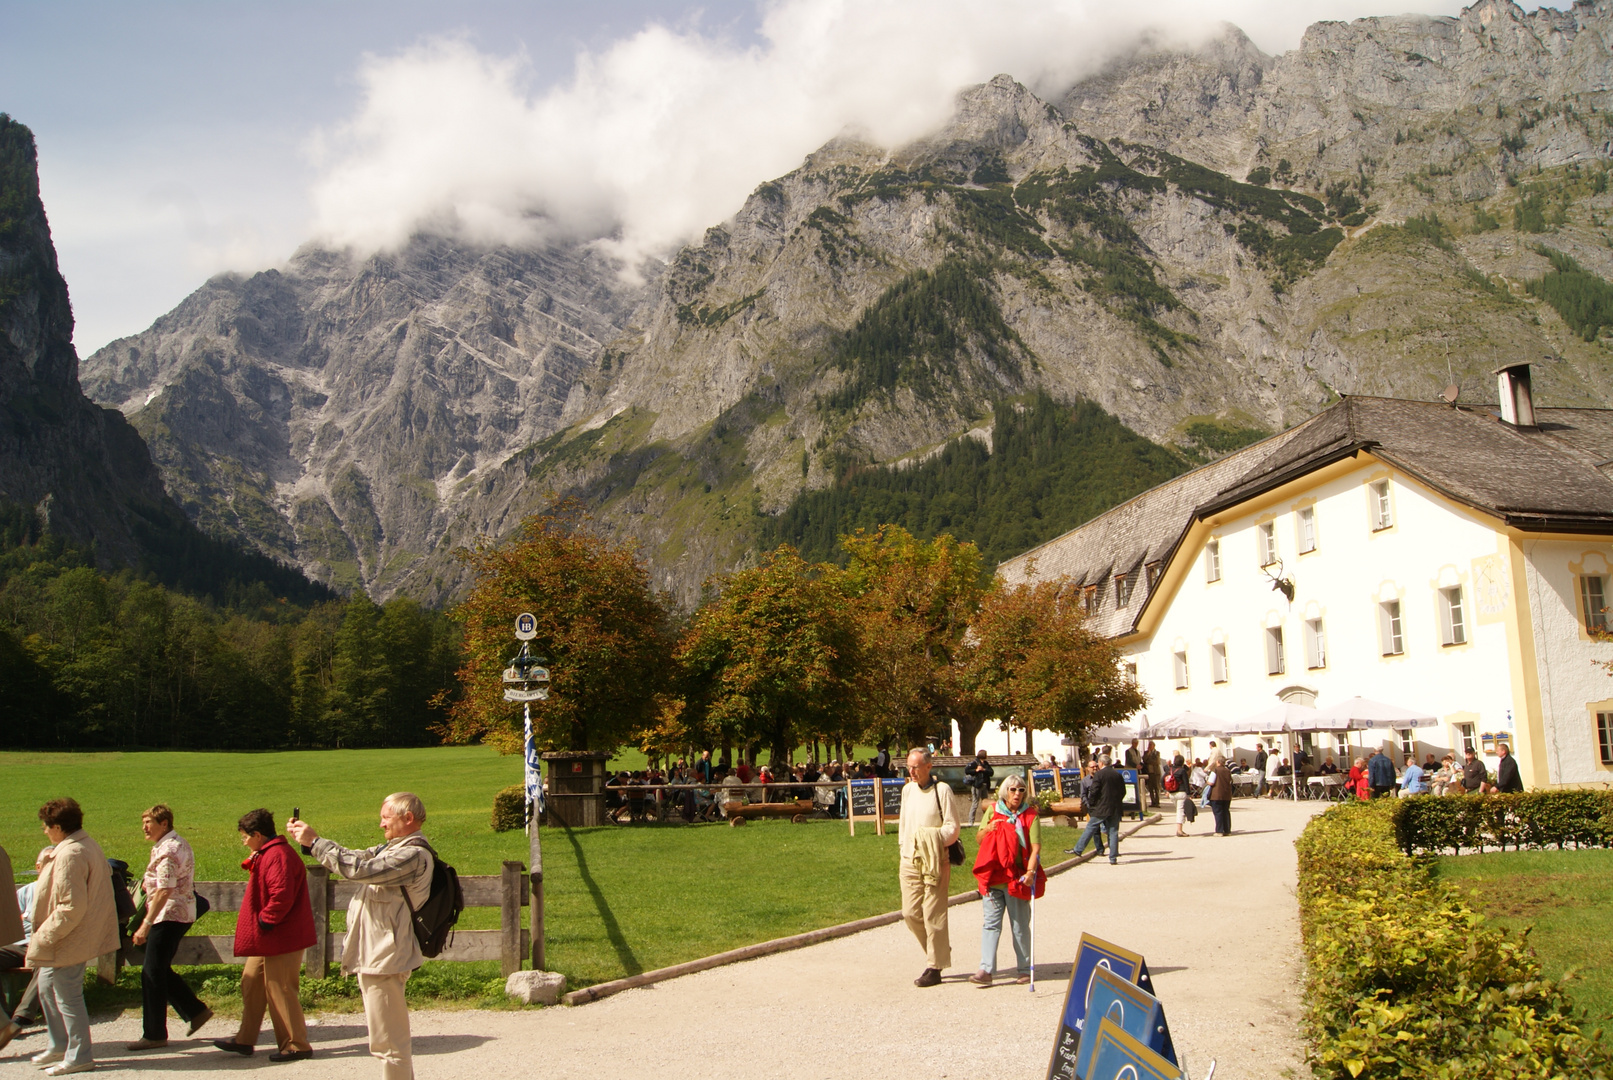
(1442, 558)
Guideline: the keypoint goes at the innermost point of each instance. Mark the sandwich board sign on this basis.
(1137, 1012)
(1091, 955)
(1118, 1056)
(874, 800)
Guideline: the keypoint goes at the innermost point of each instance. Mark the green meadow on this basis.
(620, 899)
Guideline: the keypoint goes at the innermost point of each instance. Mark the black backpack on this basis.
(434, 920)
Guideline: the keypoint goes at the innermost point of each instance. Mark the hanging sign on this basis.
(526, 626)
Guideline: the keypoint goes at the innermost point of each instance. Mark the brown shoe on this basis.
(9, 1032)
(931, 977)
(199, 1019)
(146, 1044)
(981, 978)
(1021, 980)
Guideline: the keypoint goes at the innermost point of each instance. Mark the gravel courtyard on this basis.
(1215, 917)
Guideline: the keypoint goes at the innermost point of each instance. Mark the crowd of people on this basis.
(697, 792)
(78, 910)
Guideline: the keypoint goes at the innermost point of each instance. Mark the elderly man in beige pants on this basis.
(927, 826)
(380, 947)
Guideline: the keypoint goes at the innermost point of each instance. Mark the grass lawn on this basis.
(1566, 897)
(620, 900)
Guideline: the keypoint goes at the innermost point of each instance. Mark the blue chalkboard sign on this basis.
(1133, 803)
(1091, 955)
(1070, 782)
(1043, 780)
(1118, 1056)
(1137, 1012)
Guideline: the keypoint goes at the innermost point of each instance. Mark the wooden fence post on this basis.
(317, 958)
(509, 917)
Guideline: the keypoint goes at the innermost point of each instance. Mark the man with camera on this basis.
(979, 773)
(381, 947)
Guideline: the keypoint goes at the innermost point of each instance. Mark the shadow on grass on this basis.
(624, 952)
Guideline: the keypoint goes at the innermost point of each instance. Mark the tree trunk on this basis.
(968, 730)
(1028, 736)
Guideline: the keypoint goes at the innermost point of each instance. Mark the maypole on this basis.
(523, 679)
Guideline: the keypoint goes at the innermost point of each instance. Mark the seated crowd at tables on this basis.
(695, 789)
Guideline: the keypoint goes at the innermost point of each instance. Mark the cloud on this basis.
(665, 132)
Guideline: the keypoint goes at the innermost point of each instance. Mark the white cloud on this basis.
(665, 132)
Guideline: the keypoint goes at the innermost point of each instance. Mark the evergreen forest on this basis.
(1051, 467)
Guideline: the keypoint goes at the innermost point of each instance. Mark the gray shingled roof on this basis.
(1557, 476)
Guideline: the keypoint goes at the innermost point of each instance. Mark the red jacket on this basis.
(1001, 860)
(276, 915)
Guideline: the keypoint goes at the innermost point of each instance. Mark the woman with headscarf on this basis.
(1008, 868)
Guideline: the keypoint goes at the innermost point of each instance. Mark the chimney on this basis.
(1517, 403)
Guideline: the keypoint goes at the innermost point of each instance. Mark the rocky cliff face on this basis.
(363, 418)
(82, 467)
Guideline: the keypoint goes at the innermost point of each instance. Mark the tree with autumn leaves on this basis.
(892, 647)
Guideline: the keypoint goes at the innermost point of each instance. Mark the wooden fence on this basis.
(508, 892)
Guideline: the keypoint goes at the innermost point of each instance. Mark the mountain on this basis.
(1208, 244)
(73, 467)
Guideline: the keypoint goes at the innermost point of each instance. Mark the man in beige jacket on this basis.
(928, 824)
(380, 947)
(75, 919)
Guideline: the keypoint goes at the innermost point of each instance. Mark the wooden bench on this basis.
(508, 892)
(796, 810)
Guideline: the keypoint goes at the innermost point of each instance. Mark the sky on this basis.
(178, 140)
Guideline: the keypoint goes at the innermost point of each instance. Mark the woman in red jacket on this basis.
(1009, 871)
(275, 925)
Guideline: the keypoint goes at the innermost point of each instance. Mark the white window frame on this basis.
(1593, 598)
(1179, 659)
(1267, 533)
(1604, 736)
(1408, 742)
(1466, 738)
(1130, 669)
(1391, 628)
(1315, 644)
(1276, 660)
(1452, 617)
(1218, 663)
(1383, 511)
(1341, 748)
(1305, 528)
(1122, 590)
(1212, 561)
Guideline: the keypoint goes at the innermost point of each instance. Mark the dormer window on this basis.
(1122, 590)
(1151, 572)
(1089, 599)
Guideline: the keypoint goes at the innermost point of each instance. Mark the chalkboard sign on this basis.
(1070, 781)
(893, 797)
(1133, 1009)
(1043, 780)
(1091, 955)
(1117, 1055)
(1133, 803)
(862, 799)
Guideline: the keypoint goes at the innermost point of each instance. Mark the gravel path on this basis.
(1215, 918)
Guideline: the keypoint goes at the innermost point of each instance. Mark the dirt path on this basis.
(1214, 916)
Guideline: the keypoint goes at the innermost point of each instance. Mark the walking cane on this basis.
(1033, 932)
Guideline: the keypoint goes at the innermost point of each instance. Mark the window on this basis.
(1315, 644)
(1389, 628)
(1212, 561)
(1408, 743)
(1341, 744)
(1274, 651)
(1268, 543)
(1307, 529)
(1089, 599)
(1218, 663)
(1382, 515)
(1131, 674)
(1452, 627)
(1151, 573)
(1593, 597)
(1604, 736)
(1122, 590)
(1465, 739)
(1181, 670)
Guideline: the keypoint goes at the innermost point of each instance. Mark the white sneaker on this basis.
(63, 1070)
(48, 1057)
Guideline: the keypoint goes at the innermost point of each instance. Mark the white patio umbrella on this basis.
(1283, 719)
(1185, 725)
(1362, 714)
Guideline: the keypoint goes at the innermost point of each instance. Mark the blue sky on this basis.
(178, 140)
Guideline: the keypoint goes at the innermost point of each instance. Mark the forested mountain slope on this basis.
(1201, 244)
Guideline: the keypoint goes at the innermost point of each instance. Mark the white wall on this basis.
(1431, 544)
(1571, 685)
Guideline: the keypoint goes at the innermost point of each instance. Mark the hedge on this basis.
(1434, 824)
(1404, 979)
(509, 808)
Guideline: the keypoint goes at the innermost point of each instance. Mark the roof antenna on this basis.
(1452, 392)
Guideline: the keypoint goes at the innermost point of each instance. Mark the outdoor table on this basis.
(1329, 785)
(1250, 780)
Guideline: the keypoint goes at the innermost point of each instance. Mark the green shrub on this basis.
(509, 808)
(1405, 979)
(1528, 819)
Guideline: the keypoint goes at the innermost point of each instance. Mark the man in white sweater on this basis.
(927, 827)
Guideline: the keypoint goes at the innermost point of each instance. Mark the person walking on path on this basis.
(1260, 767)
(1008, 867)
(1133, 756)
(381, 948)
(75, 919)
(927, 827)
(1180, 781)
(1103, 820)
(1220, 794)
(1507, 779)
(170, 885)
(10, 930)
(1156, 772)
(15, 956)
(1380, 774)
(979, 773)
(275, 925)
